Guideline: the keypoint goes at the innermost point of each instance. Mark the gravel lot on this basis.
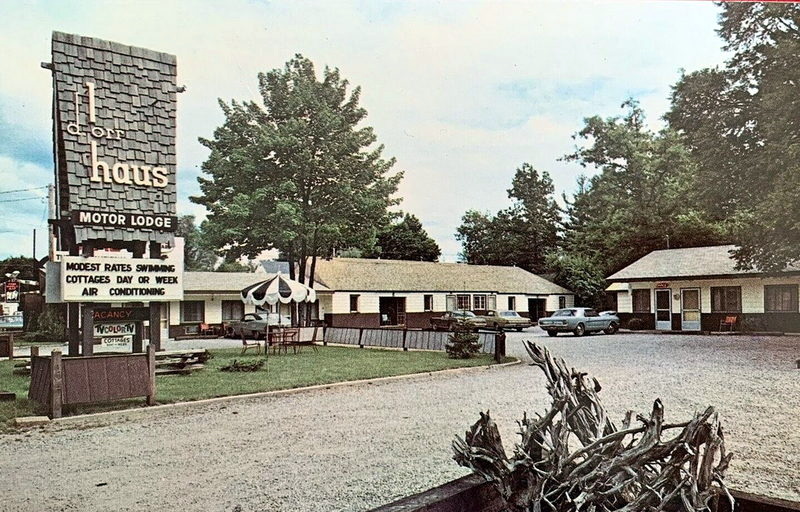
(354, 448)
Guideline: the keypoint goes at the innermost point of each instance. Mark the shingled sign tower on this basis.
(114, 110)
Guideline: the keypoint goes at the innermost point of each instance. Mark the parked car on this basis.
(254, 325)
(502, 320)
(579, 321)
(451, 319)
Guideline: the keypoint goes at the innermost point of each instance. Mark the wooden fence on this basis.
(57, 381)
(401, 338)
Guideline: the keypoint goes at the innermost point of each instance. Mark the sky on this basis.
(461, 93)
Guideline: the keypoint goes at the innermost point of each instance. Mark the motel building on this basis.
(353, 292)
(700, 289)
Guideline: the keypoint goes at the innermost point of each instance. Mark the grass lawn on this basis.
(284, 371)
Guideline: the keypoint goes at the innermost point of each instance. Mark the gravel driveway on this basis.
(353, 448)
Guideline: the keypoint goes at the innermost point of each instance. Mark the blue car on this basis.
(579, 321)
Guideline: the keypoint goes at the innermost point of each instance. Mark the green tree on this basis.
(295, 171)
(405, 240)
(520, 235)
(21, 264)
(742, 124)
(640, 200)
(197, 256)
(581, 274)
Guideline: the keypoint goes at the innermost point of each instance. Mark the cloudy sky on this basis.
(461, 93)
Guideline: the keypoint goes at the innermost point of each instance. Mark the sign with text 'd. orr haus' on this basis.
(114, 114)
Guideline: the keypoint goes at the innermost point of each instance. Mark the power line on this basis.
(21, 190)
(20, 199)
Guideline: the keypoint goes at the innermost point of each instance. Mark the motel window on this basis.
(428, 303)
(512, 303)
(192, 311)
(232, 310)
(780, 298)
(354, 303)
(479, 302)
(641, 301)
(562, 302)
(726, 299)
(463, 302)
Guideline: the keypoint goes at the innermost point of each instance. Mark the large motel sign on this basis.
(114, 109)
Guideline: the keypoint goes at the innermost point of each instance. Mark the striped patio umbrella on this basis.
(278, 288)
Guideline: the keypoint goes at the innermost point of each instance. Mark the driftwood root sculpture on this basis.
(573, 458)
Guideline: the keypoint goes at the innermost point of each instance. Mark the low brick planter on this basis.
(473, 494)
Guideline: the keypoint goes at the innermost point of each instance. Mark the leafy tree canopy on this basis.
(640, 200)
(405, 240)
(295, 171)
(742, 126)
(520, 235)
(197, 256)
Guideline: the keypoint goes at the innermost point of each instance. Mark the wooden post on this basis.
(151, 381)
(325, 338)
(74, 333)
(405, 333)
(360, 335)
(499, 346)
(56, 384)
(155, 325)
(34, 351)
(87, 324)
(136, 347)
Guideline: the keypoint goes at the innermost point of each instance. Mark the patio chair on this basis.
(729, 321)
(250, 344)
(206, 329)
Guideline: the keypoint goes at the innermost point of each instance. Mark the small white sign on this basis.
(99, 279)
(116, 341)
(126, 329)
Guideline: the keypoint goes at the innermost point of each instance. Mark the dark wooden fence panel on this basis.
(40, 380)
(344, 335)
(57, 380)
(487, 340)
(391, 338)
(398, 338)
(426, 340)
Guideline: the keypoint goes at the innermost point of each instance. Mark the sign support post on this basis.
(87, 346)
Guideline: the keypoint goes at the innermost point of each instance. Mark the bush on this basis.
(635, 324)
(47, 327)
(463, 344)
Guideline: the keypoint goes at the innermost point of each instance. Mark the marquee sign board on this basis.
(114, 114)
(120, 279)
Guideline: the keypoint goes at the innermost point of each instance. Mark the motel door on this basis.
(164, 321)
(663, 309)
(690, 309)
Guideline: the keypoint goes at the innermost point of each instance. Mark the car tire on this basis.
(580, 330)
(519, 329)
(552, 334)
(612, 328)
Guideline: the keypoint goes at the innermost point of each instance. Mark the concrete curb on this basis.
(67, 420)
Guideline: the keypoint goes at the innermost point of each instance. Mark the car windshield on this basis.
(464, 314)
(511, 314)
(564, 312)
